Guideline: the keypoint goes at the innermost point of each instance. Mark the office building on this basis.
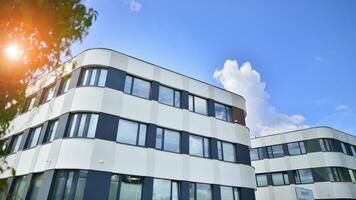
(106, 125)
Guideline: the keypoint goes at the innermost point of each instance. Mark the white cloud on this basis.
(342, 107)
(262, 118)
(134, 5)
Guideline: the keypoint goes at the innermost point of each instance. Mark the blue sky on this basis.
(304, 51)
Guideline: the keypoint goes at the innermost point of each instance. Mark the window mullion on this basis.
(86, 126)
(138, 133)
(66, 174)
(171, 190)
(73, 184)
(89, 76)
(174, 98)
(163, 134)
(96, 81)
(222, 150)
(193, 97)
(76, 127)
(132, 84)
(118, 188)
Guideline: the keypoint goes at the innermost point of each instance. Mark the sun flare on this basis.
(13, 51)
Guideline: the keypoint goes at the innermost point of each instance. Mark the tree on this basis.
(34, 36)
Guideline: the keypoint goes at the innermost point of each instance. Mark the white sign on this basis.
(304, 194)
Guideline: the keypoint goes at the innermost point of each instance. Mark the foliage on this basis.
(44, 31)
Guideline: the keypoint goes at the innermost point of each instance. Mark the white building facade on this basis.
(321, 160)
(106, 125)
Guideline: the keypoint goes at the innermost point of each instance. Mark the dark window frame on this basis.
(163, 140)
(271, 152)
(193, 104)
(50, 128)
(63, 84)
(175, 91)
(256, 153)
(140, 179)
(325, 144)
(195, 189)
(221, 144)
(31, 135)
(32, 182)
(28, 101)
(77, 125)
(133, 78)
(137, 133)
(262, 174)
(301, 152)
(96, 80)
(297, 177)
(228, 112)
(12, 143)
(46, 92)
(171, 187)
(233, 192)
(204, 141)
(284, 177)
(73, 184)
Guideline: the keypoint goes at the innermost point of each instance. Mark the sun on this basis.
(13, 51)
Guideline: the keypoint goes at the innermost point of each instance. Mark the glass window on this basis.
(29, 103)
(275, 151)
(198, 146)
(330, 174)
(130, 187)
(35, 186)
(344, 148)
(353, 150)
(293, 148)
(169, 96)
(302, 147)
(339, 174)
(254, 154)
(48, 93)
(83, 125)
(15, 144)
(93, 77)
(67, 182)
(177, 98)
(64, 86)
(51, 131)
(352, 174)
(79, 191)
(165, 190)
(222, 112)
(280, 178)
(168, 140)
(199, 191)
(33, 137)
(229, 193)
(325, 144)
(128, 84)
(198, 105)
(261, 180)
(130, 132)
(18, 188)
(296, 148)
(191, 103)
(114, 187)
(226, 151)
(261, 155)
(137, 87)
(303, 176)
